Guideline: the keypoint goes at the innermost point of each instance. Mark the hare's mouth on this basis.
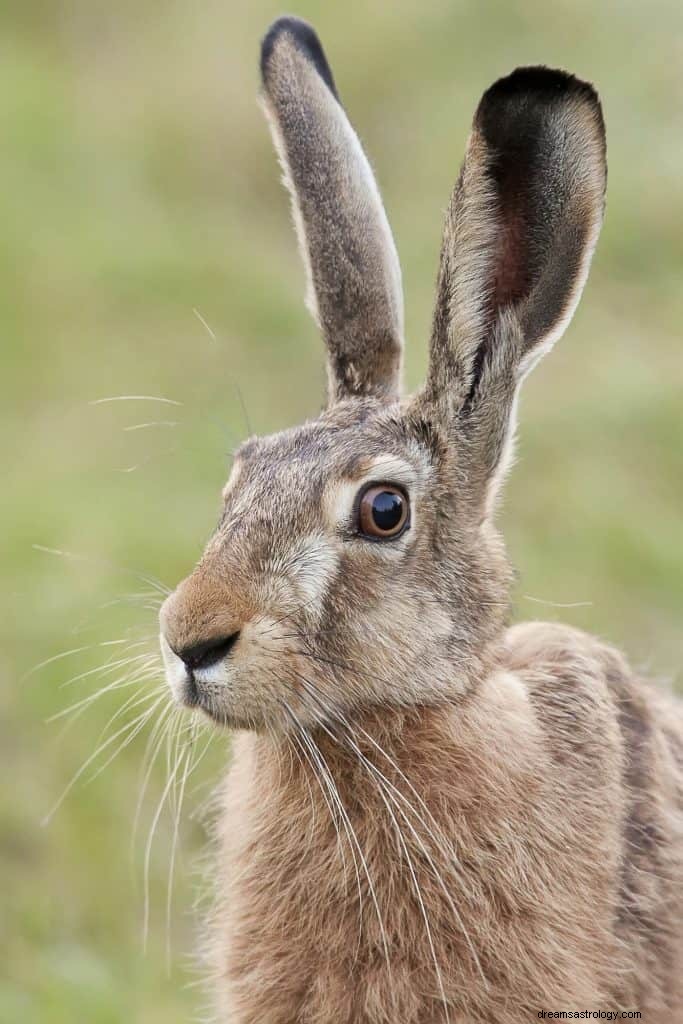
(208, 698)
(195, 686)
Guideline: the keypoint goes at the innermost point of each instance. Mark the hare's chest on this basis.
(394, 908)
(319, 918)
(336, 911)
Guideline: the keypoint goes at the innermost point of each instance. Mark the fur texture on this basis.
(430, 817)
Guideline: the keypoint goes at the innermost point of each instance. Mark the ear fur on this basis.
(354, 278)
(520, 231)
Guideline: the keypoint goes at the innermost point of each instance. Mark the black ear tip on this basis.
(544, 84)
(303, 38)
(533, 99)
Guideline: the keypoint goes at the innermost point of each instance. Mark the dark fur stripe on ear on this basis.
(306, 42)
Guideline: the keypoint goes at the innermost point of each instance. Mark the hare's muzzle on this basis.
(197, 642)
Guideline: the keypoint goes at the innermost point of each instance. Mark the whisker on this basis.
(298, 752)
(107, 668)
(142, 723)
(324, 785)
(439, 840)
(352, 836)
(389, 788)
(86, 764)
(245, 414)
(154, 744)
(187, 768)
(146, 461)
(205, 325)
(122, 683)
(103, 670)
(143, 577)
(54, 658)
(150, 841)
(134, 398)
(322, 775)
(558, 604)
(418, 894)
(150, 423)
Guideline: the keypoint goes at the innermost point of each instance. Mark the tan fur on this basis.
(527, 783)
(430, 818)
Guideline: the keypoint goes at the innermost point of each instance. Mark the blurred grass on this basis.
(137, 184)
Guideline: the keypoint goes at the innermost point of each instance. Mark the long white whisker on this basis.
(142, 722)
(418, 894)
(86, 764)
(54, 658)
(154, 744)
(299, 752)
(143, 577)
(187, 752)
(103, 670)
(148, 849)
(558, 604)
(325, 781)
(203, 322)
(448, 848)
(150, 423)
(389, 789)
(352, 832)
(147, 460)
(122, 682)
(324, 785)
(134, 398)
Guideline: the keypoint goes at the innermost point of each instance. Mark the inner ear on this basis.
(529, 189)
(512, 268)
(543, 136)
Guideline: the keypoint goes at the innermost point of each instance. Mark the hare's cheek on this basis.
(296, 582)
(314, 565)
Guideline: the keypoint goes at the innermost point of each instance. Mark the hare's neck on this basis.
(366, 776)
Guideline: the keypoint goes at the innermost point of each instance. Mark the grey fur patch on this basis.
(355, 291)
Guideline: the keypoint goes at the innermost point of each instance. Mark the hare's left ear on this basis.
(520, 231)
(354, 276)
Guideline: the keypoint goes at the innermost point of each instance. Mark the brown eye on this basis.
(382, 512)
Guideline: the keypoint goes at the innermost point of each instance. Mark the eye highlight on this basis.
(383, 512)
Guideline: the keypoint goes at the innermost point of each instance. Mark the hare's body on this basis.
(557, 783)
(431, 820)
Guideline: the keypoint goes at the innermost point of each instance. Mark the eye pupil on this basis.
(387, 510)
(383, 512)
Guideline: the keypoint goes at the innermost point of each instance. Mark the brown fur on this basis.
(430, 817)
(530, 781)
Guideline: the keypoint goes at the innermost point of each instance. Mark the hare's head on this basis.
(355, 563)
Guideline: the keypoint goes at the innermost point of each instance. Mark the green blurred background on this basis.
(139, 195)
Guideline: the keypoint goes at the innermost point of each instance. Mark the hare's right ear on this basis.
(520, 231)
(353, 271)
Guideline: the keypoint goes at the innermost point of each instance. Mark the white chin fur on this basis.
(177, 676)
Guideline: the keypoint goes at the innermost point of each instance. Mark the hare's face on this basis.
(336, 579)
(355, 564)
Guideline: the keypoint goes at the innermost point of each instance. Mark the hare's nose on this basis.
(208, 652)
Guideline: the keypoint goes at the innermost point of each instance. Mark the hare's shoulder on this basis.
(582, 689)
(614, 738)
(531, 644)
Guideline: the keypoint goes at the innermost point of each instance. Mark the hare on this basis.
(430, 817)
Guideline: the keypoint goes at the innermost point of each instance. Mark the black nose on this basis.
(208, 652)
